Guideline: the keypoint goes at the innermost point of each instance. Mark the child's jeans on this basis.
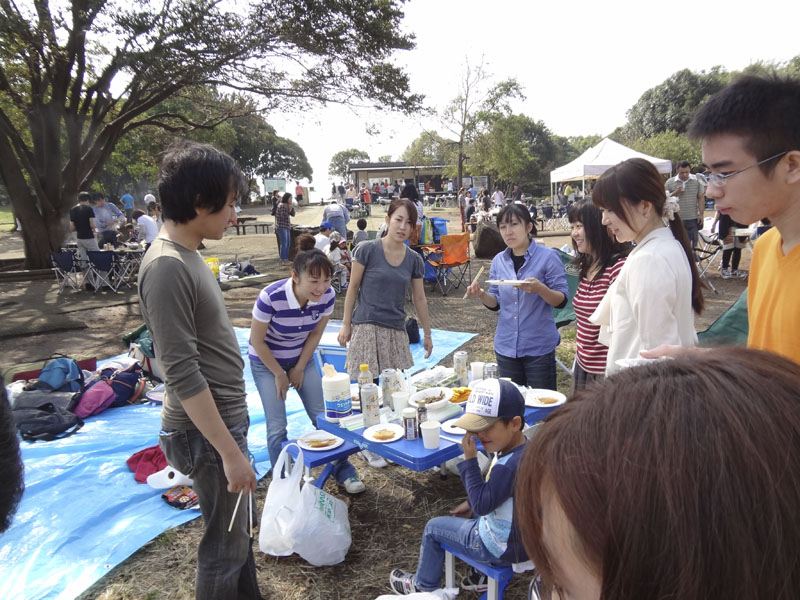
(460, 534)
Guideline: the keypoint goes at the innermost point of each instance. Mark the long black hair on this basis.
(605, 249)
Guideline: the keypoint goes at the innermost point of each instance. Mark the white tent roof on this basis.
(604, 155)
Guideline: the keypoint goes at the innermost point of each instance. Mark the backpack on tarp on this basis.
(44, 420)
(61, 374)
(117, 384)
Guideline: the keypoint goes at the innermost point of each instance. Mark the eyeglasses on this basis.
(719, 179)
(539, 591)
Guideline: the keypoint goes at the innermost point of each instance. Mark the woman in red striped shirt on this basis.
(600, 258)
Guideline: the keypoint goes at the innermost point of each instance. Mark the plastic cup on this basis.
(400, 401)
(430, 434)
(476, 370)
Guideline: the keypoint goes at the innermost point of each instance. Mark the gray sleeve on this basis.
(362, 253)
(167, 282)
(418, 266)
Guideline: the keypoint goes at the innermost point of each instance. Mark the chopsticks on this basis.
(449, 439)
(480, 271)
(250, 506)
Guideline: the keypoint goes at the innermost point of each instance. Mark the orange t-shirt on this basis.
(298, 191)
(773, 297)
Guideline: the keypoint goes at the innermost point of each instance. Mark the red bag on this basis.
(95, 399)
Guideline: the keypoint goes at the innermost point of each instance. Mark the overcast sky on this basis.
(582, 64)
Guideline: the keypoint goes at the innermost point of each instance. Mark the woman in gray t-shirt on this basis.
(381, 272)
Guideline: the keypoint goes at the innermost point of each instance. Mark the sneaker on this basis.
(373, 459)
(475, 581)
(726, 274)
(354, 485)
(402, 583)
(740, 274)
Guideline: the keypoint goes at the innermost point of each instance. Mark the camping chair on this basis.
(454, 262)
(730, 328)
(566, 314)
(67, 267)
(107, 268)
(706, 251)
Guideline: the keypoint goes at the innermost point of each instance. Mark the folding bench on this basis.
(313, 459)
(499, 577)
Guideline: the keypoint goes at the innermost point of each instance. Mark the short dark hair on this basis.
(314, 262)
(11, 467)
(411, 192)
(684, 164)
(84, 197)
(631, 182)
(361, 224)
(761, 109)
(136, 214)
(152, 206)
(195, 176)
(605, 248)
(510, 211)
(679, 478)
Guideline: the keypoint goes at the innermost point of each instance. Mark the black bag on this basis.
(35, 398)
(46, 422)
(412, 329)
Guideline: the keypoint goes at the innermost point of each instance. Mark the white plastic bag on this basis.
(323, 538)
(282, 511)
(443, 594)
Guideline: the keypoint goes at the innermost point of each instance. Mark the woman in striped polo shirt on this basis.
(599, 259)
(289, 317)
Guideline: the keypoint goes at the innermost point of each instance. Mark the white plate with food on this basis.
(319, 441)
(505, 281)
(384, 432)
(448, 427)
(430, 396)
(538, 398)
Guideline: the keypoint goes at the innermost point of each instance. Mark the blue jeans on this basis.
(691, 229)
(275, 411)
(461, 535)
(225, 564)
(337, 221)
(283, 243)
(533, 371)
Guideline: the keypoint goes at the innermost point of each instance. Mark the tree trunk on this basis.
(41, 234)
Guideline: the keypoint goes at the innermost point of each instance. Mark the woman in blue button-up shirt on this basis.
(526, 335)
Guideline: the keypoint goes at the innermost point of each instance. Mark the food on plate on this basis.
(460, 394)
(320, 443)
(384, 434)
(547, 400)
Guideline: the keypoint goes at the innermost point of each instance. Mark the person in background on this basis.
(599, 258)
(333, 191)
(12, 471)
(483, 527)
(688, 190)
(658, 291)
(365, 197)
(526, 336)
(127, 234)
(676, 479)
(81, 221)
(283, 227)
(154, 212)
(107, 218)
(204, 419)
(148, 230)
(341, 191)
(486, 199)
(289, 318)
(361, 235)
(350, 195)
(338, 216)
(731, 245)
(127, 206)
(339, 257)
(323, 238)
(498, 198)
(462, 208)
(470, 215)
(298, 192)
(275, 200)
(411, 193)
(516, 194)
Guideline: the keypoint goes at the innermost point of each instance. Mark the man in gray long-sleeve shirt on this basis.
(204, 420)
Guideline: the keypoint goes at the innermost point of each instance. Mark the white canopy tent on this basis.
(594, 162)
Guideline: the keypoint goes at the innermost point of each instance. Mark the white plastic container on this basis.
(336, 394)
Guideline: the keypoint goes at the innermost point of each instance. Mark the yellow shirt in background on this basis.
(773, 297)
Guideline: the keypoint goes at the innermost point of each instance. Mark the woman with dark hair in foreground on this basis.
(677, 479)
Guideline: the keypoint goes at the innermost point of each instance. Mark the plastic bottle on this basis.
(364, 376)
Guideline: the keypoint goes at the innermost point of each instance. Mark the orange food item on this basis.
(321, 443)
(548, 400)
(383, 434)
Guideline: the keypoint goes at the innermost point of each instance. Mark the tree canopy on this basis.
(340, 161)
(77, 76)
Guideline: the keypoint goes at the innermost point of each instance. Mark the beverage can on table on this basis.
(461, 368)
(390, 383)
(422, 415)
(490, 371)
(370, 405)
(410, 423)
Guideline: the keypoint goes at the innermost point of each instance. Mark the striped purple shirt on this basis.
(289, 323)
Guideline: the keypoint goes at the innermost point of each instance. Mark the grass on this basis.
(6, 220)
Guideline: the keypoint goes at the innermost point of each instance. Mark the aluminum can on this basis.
(410, 423)
(370, 405)
(390, 383)
(422, 416)
(490, 371)
(461, 368)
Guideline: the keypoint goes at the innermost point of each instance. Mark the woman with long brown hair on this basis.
(677, 479)
(653, 300)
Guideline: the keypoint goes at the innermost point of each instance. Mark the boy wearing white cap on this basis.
(483, 527)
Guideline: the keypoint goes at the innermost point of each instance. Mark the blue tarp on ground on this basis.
(83, 513)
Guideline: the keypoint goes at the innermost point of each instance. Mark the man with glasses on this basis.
(750, 133)
(688, 189)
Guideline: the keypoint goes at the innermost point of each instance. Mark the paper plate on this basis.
(627, 363)
(303, 441)
(445, 393)
(397, 430)
(448, 427)
(533, 398)
(505, 281)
